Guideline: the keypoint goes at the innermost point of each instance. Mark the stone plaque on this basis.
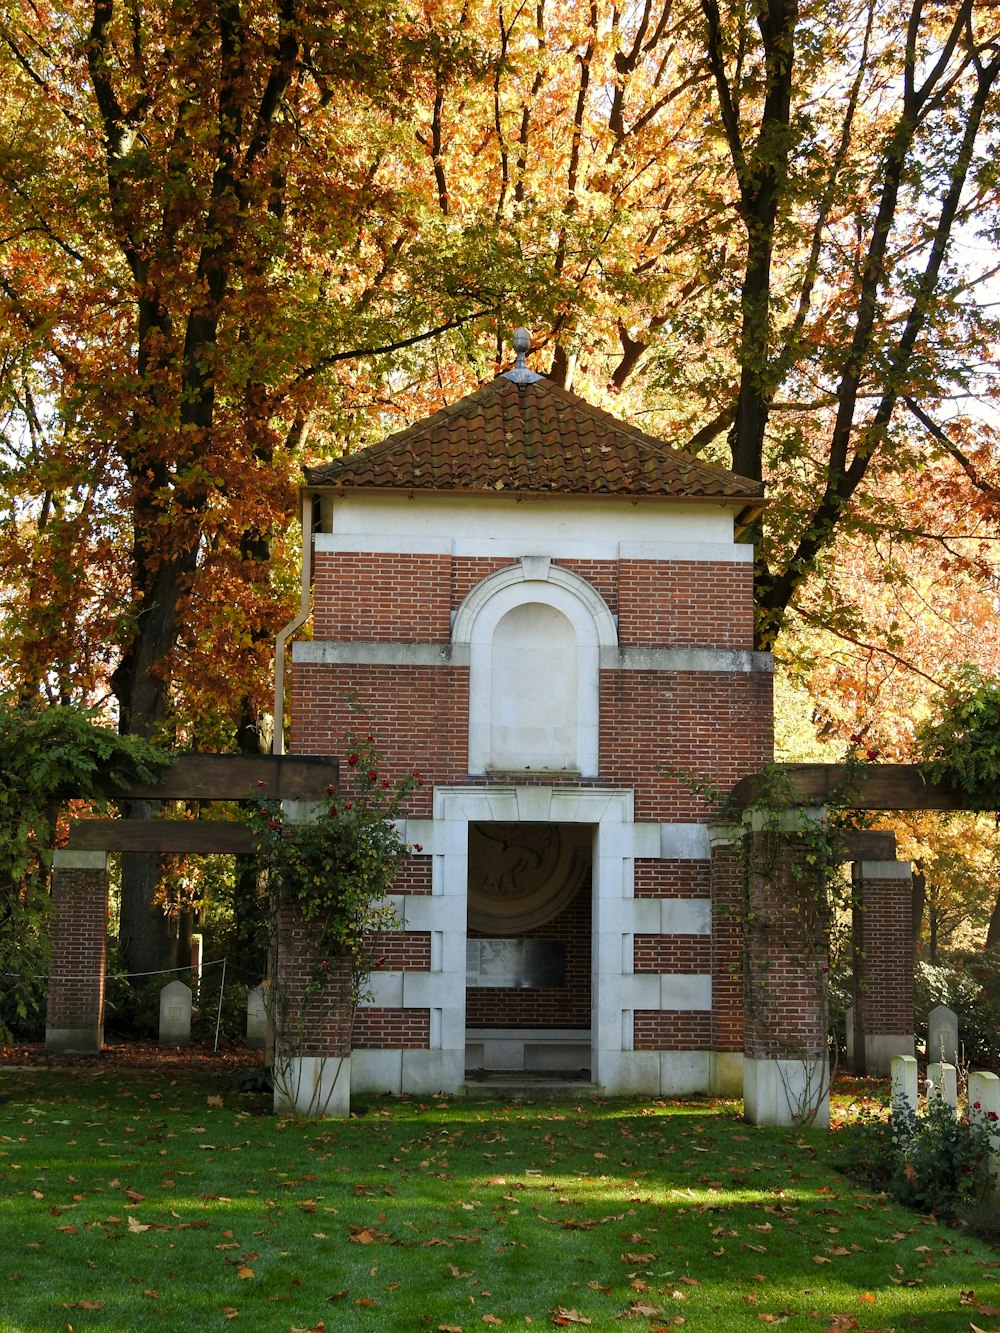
(515, 964)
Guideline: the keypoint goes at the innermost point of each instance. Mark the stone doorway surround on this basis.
(617, 991)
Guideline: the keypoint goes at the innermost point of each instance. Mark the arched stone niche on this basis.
(534, 633)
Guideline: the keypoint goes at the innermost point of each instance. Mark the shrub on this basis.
(935, 1162)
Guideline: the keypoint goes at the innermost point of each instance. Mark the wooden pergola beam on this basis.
(206, 837)
(872, 787)
(234, 777)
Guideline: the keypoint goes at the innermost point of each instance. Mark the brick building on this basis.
(549, 613)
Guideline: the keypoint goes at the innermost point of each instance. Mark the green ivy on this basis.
(337, 865)
(961, 745)
(49, 755)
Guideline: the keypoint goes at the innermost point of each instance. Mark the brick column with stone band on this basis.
(727, 961)
(785, 984)
(75, 1015)
(884, 961)
(312, 1013)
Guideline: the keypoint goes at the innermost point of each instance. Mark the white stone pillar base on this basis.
(881, 1047)
(312, 1085)
(75, 1041)
(786, 1092)
(727, 1074)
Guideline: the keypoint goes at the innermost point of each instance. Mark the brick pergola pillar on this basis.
(883, 964)
(786, 977)
(727, 961)
(311, 1025)
(75, 1015)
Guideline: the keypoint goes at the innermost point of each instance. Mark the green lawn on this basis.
(167, 1201)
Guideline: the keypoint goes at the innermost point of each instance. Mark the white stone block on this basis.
(680, 990)
(433, 1071)
(377, 1072)
(534, 804)
(643, 915)
(786, 1092)
(621, 1073)
(430, 990)
(685, 1072)
(684, 842)
(685, 916)
(386, 991)
(727, 1074)
(315, 1086)
(646, 839)
(421, 832)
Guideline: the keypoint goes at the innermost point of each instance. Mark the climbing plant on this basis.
(49, 755)
(960, 745)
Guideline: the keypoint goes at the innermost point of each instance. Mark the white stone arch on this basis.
(534, 580)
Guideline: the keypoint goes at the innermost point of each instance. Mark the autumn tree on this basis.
(199, 229)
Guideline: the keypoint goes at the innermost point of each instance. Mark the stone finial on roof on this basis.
(521, 373)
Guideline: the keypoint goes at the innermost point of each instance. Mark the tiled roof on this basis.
(521, 438)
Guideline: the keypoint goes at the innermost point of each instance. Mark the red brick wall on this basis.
(384, 1029)
(403, 951)
(671, 878)
(308, 1025)
(680, 1030)
(407, 598)
(544, 1006)
(672, 953)
(727, 951)
(883, 926)
(386, 597)
(715, 725)
(785, 965)
(79, 948)
(685, 604)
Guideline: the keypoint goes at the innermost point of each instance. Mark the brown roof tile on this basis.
(532, 438)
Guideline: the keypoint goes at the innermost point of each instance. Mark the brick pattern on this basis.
(685, 604)
(403, 951)
(429, 733)
(883, 931)
(785, 967)
(680, 1030)
(385, 1029)
(727, 951)
(672, 953)
(716, 725)
(545, 1006)
(385, 597)
(308, 1025)
(79, 948)
(672, 878)
(413, 876)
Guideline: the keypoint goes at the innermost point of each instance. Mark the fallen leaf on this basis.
(560, 1315)
(244, 1271)
(214, 1101)
(135, 1225)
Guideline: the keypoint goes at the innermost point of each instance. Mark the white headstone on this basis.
(256, 1019)
(942, 1082)
(984, 1109)
(903, 1074)
(175, 1014)
(942, 1035)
